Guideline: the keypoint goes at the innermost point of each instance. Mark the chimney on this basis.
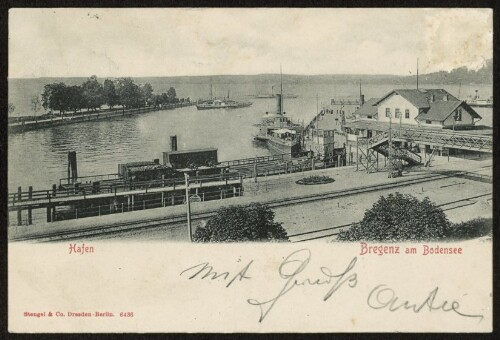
(278, 103)
(173, 143)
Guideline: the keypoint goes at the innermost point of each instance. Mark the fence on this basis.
(114, 187)
(145, 203)
(33, 123)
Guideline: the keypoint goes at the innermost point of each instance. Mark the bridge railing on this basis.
(83, 191)
(442, 138)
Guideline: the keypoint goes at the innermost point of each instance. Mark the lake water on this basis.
(39, 158)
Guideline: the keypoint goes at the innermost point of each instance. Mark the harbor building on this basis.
(421, 122)
(423, 108)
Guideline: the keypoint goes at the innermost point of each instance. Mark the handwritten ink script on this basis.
(292, 273)
(384, 297)
(296, 263)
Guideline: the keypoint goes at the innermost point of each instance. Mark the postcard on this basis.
(259, 170)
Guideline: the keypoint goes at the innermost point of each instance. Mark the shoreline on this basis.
(31, 125)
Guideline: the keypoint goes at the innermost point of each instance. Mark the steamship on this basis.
(280, 134)
(215, 103)
(221, 104)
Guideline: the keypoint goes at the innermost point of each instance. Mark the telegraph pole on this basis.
(188, 202)
(417, 73)
(390, 146)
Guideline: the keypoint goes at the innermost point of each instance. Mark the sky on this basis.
(176, 42)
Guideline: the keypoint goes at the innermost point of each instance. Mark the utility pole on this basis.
(281, 99)
(317, 119)
(417, 73)
(188, 202)
(390, 146)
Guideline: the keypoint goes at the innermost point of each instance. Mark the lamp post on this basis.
(186, 177)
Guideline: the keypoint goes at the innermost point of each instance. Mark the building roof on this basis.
(368, 109)
(384, 126)
(190, 151)
(421, 98)
(439, 111)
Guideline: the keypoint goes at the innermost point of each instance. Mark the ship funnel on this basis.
(278, 104)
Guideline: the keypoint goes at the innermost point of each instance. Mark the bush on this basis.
(315, 180)
(242, 224)
(477, 227)
(399, 217)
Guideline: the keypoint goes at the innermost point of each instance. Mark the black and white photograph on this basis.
(171, 169)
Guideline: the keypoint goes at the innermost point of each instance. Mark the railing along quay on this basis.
(30, 124)
(139, 187)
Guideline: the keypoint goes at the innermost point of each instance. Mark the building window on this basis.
(407, 114)
(428, 122)
(458, 115)
(387, 112)
(397, 112)
(369, 117)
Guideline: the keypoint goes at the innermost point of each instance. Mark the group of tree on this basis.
(92, 95)
(394, 218)
(399, 217)
(253, 223)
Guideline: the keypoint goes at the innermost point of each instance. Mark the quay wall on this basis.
(31, 125)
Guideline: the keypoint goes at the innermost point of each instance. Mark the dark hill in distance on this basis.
(459, 75)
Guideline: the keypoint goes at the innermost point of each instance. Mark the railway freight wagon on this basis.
(145, 171)
(194, 162)
(190, 158)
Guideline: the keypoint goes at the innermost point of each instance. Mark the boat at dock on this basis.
(221, 104)
(475, 101)
(281, 135)
(273, 95)
(217, 103)
(265, 96)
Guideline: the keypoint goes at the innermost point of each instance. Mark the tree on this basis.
(128, 92)
(54, 97)
(147, 93)
(93, 94)
(12, 108)
(171, 95)
(109, 93)
(156, 100)
(399, 217)
(242, 224)
(36, 105)
(75, 99)
(164, 98)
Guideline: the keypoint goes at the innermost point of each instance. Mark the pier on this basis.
(97, 195)
(108, 198)
(36, 124)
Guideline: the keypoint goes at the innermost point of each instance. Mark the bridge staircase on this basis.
(437, 139)
(369, 148)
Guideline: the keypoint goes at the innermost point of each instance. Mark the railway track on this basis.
(334, 231)
(181, 218)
